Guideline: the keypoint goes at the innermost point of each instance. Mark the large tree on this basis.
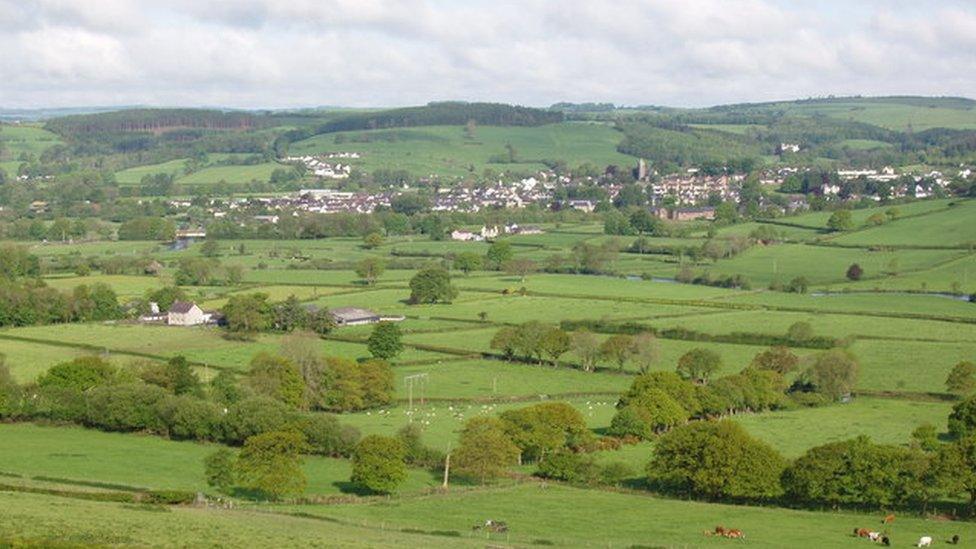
(271, 464)
(369, 269)
(834, 373)
(699, 365)
(432, 285)
(378, 464)
(716, 459)
(962, 378)
(278, 378)
(385, 341)
(485, 450)
(247, 314)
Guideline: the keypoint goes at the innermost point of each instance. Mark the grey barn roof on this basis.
(181, 307)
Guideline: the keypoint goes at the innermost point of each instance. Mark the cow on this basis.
(888, 519)
(735, 534)
(924, 541)
(955, 539)
(885, 541)
(874, 536)
(861, 532)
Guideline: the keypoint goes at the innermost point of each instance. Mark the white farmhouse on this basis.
(184, 313)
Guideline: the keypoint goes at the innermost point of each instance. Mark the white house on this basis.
(184, 313)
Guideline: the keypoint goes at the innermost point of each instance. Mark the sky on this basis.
(374, 53)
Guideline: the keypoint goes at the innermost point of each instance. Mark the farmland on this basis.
(562, 321)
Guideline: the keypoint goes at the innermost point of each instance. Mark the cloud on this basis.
(269, 53)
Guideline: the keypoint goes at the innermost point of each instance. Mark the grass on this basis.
(888, 421)
(146, 462)
(578, 517)
(445, 151)
(953, 227)
(25, 138)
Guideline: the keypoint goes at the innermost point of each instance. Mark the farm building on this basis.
(353, 316)
(185, 313)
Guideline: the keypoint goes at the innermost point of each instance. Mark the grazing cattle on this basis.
(924, 541)
(735, 534)
(955, 539)
(885, 541)
(888, 519)
(861, 532)
(720, 531)
(874, 536)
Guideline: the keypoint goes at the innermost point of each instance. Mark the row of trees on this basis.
(659, 401)
(540, 342)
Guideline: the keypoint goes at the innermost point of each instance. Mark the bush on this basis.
(326, 436)
(127, 407)
(377, 464)
(570, 467)
(716, 460)
(169, 497)
(79, 374)
(186, 417)
(254, 416)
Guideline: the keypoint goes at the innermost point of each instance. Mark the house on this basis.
(353, 316)
(465, 236)
(186, 313)
(788, 148)
(685, 214)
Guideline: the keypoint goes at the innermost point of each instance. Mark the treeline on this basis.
(151, 121)
(278, 392)
(26, 300)
(432, 114)
(674, 146)
(796, 336)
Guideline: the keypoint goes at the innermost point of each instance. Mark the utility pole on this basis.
(447, 466)
(416, 379)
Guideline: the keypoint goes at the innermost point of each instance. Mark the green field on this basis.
(18, 139)
(446, 151)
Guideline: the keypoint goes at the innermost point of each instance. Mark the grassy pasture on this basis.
(888, 421)
(141, 461)
(18, 139)
(577, 517)
(445, 151)
(818, 220)
(133, 176)
(823, 265)
(44, 520)
(126, 286)
(953, 227)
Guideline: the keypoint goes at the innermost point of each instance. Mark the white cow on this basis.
(924, 541)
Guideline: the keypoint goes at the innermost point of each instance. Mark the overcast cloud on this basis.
(290, 53)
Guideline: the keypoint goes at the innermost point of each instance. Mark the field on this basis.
(904, 335)
(446, 151)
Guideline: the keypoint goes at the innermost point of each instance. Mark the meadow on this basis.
(447, 151)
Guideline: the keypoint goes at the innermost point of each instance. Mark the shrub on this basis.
(79, 374)
(127, 407)
(378, 464)
(186, 417)
(570, 467)
(326, 436)
(254, 416)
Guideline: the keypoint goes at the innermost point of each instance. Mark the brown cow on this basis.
(861, 532)
(735, 534)
(888, 519)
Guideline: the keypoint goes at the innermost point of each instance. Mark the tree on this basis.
(778, 359)
(962, 378)
(798, 285)
(541, 429)
(841, 220)
(467, 262)
(856, 472)
(854, 272)
(369, 269)
(834, 373)
(289, 315)
(175, 375)
(484, 450)
(385, 341)
(587, 348)
(506, 341)
(271, 464)
(9, 390)
(645, 351)
(378, 464)
(278, 378)
(520, 267)
(716, 459)
(617, 349)
(954, 468)
(79, 374)
(372, 240)
(498, 253)
(698, 365)
(962, 419)
(247, 314)
(303, 350)
(653, 412)
(431, 285)
(210, 248)
(555, 343)
(219, 470)
(800, 332)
